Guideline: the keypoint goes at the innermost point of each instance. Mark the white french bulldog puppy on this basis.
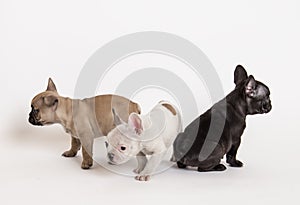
(150, 134)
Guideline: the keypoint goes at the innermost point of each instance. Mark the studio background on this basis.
(41, 39)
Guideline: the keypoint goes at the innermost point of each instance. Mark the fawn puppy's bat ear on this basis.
(51, 101)
(51, 86)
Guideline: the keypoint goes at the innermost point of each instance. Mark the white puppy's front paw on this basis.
(143, 177)
(137, 170)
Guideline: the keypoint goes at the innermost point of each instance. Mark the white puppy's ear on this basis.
(135, 122)
(117, 119)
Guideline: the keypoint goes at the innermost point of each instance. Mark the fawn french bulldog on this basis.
(84, 119)
(229, 117)
(148, 135)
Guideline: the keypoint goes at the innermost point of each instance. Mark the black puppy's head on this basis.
(257, 94)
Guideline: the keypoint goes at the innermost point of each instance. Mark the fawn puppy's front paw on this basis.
(86, 164)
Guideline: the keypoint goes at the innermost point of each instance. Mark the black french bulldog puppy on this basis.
(218, 131)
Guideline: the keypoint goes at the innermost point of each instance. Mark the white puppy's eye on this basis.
(122, 148)
(106, 144)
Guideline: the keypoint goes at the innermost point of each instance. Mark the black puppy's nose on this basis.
(267, 106)
(110, 156)
(270, 107)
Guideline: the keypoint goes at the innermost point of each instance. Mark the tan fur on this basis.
(84, 119)
(170, 107)
(75, 147)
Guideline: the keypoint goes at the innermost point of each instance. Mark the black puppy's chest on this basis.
(237, 131)
(236, 125)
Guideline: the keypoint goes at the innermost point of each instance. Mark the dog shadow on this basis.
(23, 137)
(21, 132)
(52, 139)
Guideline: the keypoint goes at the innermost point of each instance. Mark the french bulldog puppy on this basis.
(148, 135)
(83, 119)
(200, 145)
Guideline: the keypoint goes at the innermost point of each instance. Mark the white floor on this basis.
(33, 172)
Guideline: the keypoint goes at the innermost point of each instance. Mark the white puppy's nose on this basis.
(110, 156)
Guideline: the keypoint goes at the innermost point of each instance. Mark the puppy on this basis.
(151, 135)
(218, 131)
(83, 119)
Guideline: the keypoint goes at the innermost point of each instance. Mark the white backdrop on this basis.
(55, 38)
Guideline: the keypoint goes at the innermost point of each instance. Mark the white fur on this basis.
(156, 134)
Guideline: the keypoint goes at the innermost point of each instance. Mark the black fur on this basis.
(218, 131)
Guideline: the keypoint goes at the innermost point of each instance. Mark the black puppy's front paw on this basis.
(233, 162)
(236, 163)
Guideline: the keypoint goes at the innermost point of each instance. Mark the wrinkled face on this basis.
(259, 102)
(43, 108)
(257, 94)
(121, 144)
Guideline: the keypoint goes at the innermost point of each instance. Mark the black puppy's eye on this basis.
(123, 148)
(106, 144)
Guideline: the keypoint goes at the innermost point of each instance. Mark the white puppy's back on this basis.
(161, 125)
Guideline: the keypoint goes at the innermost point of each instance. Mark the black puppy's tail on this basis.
(173, 158)
(178, 153)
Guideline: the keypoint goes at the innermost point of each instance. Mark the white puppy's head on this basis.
(123, 141)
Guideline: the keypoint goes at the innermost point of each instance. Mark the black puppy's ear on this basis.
(117, 119)
(51, 86)
(240, 74)
(251, 86)
(51, 101)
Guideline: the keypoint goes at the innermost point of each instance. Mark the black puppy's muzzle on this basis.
(266, 107)
(33, 118)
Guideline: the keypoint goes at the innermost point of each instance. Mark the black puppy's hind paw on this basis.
(181, 165)
(218, 168)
